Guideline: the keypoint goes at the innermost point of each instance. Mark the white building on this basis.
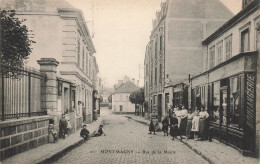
(120, 98)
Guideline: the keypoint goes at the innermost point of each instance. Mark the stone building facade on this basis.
(60, 31)
(228, 84)
(175, 47)
(64, 41)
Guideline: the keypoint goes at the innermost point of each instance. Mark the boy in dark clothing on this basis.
(84, 133)
(165, 125)
(99, 132)
(63, 126)
(174, 130)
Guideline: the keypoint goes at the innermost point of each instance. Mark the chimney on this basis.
(133, 80)
(126, 79)
(137, 83)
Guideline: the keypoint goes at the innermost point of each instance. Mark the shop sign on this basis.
(250, 97)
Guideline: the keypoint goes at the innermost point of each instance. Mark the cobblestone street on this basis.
(128, 141)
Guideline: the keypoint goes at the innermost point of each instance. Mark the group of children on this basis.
(84, 133)
(64, 126)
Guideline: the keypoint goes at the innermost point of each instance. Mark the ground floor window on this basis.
(73, 98)
(235, 100)
(227, 101)
(177, 98)
(216, 101)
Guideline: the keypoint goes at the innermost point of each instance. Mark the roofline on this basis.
(82, 22)
(232, 22)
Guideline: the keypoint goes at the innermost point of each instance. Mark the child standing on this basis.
(195, 124)
(63, 126)
(84, 133)
(165, 123)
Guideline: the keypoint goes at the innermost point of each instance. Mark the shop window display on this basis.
(234, 101)
(216, 102)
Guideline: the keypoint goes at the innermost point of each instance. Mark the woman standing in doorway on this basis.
(203, 116)
(67, 117)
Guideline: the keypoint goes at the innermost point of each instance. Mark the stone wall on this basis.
(79, 123)
(21, 135)
(88, 118)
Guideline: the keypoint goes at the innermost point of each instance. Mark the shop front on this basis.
(180, 95)
(231, 100)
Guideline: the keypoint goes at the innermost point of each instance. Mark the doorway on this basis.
(121, 108)
(159, 107)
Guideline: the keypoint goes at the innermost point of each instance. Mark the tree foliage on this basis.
(15, 41)
(137, 97)
(109, 98)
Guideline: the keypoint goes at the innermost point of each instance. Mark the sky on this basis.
(121, 30)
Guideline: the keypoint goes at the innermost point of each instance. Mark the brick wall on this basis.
(21, 135)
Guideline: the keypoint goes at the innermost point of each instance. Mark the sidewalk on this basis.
(214, 152)
(48, 151)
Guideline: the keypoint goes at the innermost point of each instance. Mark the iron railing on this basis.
(21, 94)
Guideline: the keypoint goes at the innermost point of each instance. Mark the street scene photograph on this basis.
(129, 82)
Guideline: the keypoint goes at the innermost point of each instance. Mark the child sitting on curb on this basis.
(99, 132)
(84, 133)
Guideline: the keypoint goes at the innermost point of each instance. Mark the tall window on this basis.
(235, 104)
(160, 74)
(155, 99)
(216, 102)
(83, 59)
(73, 98)
(151, 78)
(219, 52)
(79, 52)
(203, 95)
(228, 47)
(155, 76)
(161, 44)
(155, 52)
(212, 57)
(146, 91)
(245, 40)
(87, 63)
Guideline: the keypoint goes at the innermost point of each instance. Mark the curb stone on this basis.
(51, 157)
(188, 145)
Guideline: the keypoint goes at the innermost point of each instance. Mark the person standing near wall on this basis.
(195, 124)
(189, 124)
(183, 124)
(178, 115)
(171, 110)
(63, 126)
(153, 122)
(203, 116)
(67, 117)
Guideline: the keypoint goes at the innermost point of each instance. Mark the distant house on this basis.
(120, 98)
(105, 93)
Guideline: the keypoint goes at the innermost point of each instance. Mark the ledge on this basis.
(232, 59)
(25, 120)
